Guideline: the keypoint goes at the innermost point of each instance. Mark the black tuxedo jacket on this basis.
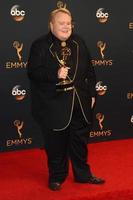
(50, 107)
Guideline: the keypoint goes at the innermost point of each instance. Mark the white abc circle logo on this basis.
(16, 13)
(101, 15)
(101, 89)
(18, 92)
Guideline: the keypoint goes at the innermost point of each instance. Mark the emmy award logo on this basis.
(18, 48)
(19, 126)
(100, 118)
(101, 47)
(65, 52)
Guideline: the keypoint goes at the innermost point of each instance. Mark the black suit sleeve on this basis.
(91, 76)
(37, 71)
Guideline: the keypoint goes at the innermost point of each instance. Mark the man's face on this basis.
(61, 26)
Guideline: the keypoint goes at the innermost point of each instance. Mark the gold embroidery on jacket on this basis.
(61, 129)
(82, 107)
(74, 91)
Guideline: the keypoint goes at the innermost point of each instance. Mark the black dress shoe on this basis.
(95, 180)
(92, 180)
(55, 186)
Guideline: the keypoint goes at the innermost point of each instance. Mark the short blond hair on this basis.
(54, 12)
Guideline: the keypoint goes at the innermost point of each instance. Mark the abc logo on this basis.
(18, 93)
(101, 89)
(16, 13)
(102, 17)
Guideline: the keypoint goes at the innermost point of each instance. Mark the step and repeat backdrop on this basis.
(107, 28)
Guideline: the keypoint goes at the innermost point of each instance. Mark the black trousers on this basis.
(70, 143)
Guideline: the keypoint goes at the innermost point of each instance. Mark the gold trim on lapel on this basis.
(77, 59)
(50, 49)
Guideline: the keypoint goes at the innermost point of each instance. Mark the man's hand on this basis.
(63, 72)
(93, 99)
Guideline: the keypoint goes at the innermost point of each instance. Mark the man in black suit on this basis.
(62, 97)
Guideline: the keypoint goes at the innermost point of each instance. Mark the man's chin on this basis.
(65, 37)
